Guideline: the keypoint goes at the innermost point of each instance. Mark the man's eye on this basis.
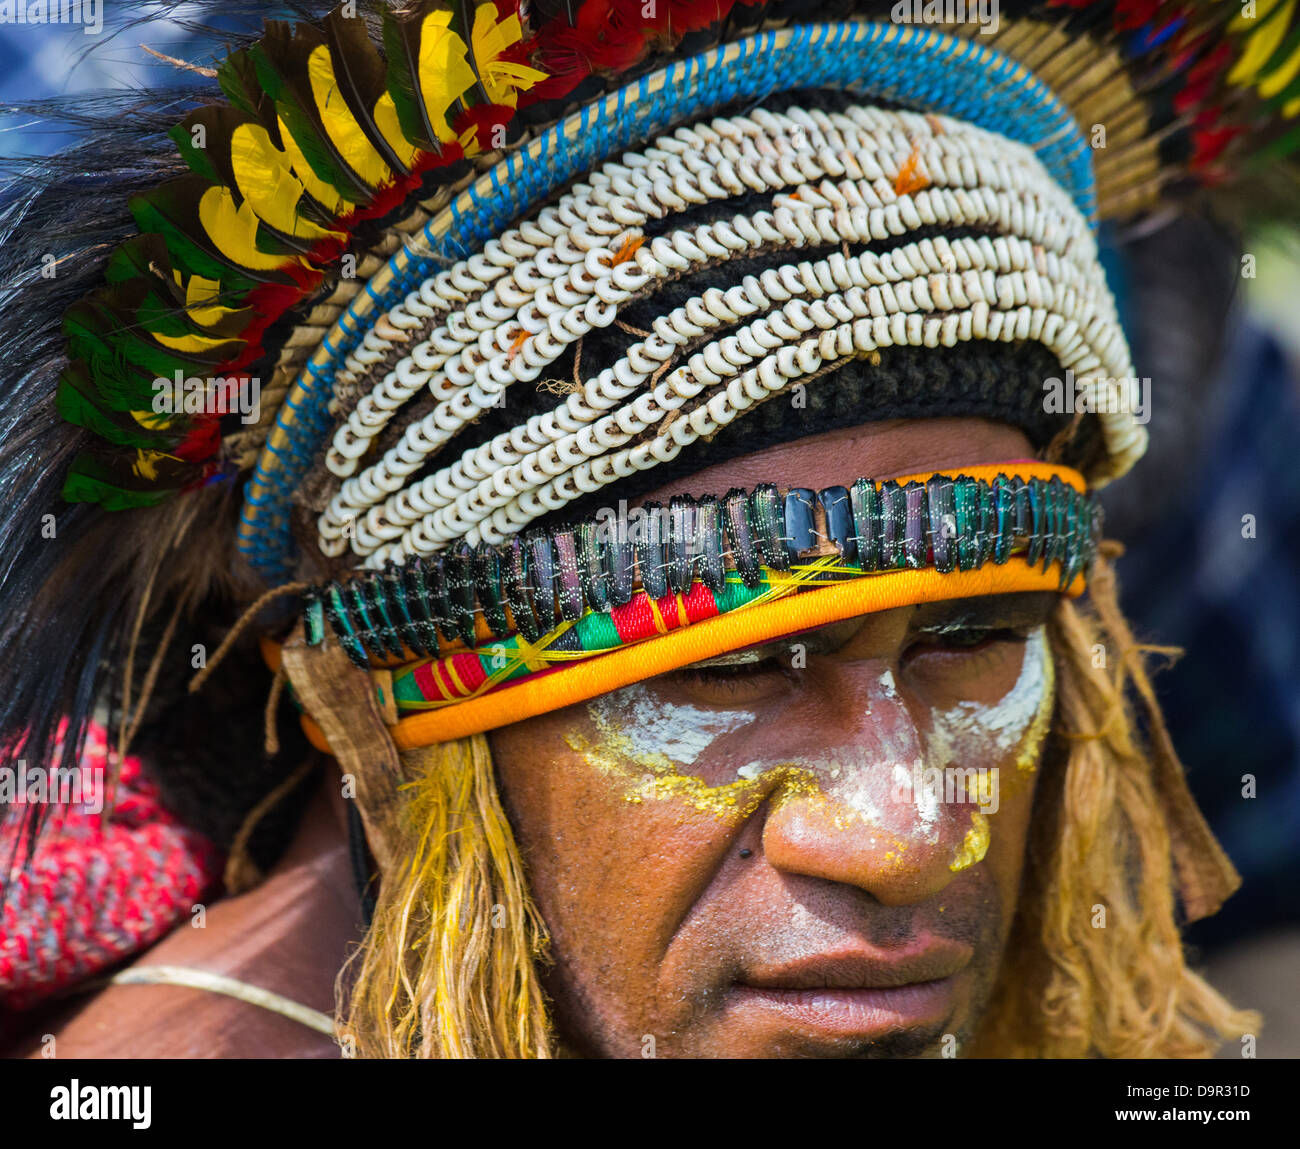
(966, 638)
(734, 683)
(728, 672)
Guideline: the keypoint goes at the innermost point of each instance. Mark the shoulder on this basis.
(290, 935)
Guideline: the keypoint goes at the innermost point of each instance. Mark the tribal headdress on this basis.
(434, 296)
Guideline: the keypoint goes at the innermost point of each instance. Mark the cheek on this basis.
(613, 871)
(989, 753)
(1011, 726)
(993, 747)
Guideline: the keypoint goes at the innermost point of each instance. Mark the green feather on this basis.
(237, 78)
(140, 257)
(109, 323)
(1277, 149)
(361, 77)
(402, 48)
(89, 481)
(197, 154)
(281, 61)
(172, 210)
(77, 402)
(162, 315)
(213, 161)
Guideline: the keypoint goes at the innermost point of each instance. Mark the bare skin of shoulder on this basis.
(291, 935)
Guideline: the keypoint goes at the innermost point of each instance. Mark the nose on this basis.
(862, 809)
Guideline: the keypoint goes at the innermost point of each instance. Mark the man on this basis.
(739, 703)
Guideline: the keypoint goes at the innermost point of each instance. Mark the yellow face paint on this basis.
(647, 761)
(656, 752)
(974, 846)
(1031, 745)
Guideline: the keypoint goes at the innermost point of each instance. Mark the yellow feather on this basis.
(1263, 42)
(234, 231)
(341, 125)
(502, 79)
(445, 74)
(469, 141)
(1241, 22)
(323, 193)
(192, 344)
(387, 122)
(267, 182)
(146, 463)
(152, 420)
(1280, 77)
(202, 304)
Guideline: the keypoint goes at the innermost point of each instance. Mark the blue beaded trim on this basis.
(908, 65)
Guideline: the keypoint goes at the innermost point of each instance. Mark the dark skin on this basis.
(660, 927)
(825, 916)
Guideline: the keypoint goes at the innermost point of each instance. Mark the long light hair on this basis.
(1094, 964)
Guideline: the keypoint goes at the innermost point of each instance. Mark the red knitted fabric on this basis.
(97, 889)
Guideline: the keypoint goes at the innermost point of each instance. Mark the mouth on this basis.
(862, 995)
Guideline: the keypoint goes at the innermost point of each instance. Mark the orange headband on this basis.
(796, 609)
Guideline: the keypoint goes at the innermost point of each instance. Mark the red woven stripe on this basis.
(634, 620)
(469, 669)
(427, 681)
(699, 603)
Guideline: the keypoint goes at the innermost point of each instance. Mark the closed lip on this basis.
(856, 995)
(861, 969)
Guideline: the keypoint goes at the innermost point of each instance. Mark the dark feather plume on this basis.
(73, 576)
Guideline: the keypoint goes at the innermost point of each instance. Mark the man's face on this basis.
(808, 849)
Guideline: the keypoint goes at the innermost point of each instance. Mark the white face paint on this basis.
(876, 776)
(963, 734)
(676, 735)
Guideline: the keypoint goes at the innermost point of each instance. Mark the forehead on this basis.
(873, 450)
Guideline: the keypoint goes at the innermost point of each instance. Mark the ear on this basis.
(343, 700)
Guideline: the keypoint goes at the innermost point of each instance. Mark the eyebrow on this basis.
(983, 612)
